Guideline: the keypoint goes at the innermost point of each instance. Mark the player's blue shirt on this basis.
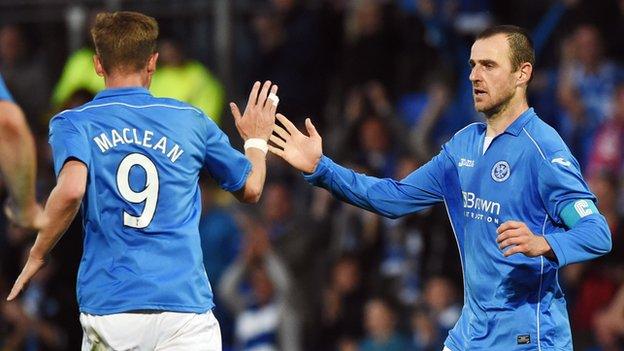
(527, 174)
(141, 210)
(4, 92)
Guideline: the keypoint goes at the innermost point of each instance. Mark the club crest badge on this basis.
(501, 171)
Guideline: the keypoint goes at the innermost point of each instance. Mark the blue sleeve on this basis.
(228, 166)
(560, 181)
(588, 239)
(67, 143)
(561, 185)
(4, 92)
(387, 197)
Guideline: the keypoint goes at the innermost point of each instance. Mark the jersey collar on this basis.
(121, 91)
(516, 127)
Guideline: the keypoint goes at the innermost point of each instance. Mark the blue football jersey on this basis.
(141, 210)
(527, 174)
(4, 92)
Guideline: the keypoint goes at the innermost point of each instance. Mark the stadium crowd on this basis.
(387, 82)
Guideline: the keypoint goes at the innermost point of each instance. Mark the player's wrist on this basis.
(544, 247)
(257, 143)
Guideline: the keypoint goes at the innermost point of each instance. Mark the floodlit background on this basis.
(387, 84)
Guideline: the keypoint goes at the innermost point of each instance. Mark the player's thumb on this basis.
(311, 129)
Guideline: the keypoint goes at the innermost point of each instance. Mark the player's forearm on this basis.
(255, 181)
(17, 156)
(59, 212)
(386, 197)
(588, 239)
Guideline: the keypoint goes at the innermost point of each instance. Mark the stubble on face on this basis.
(491, 76)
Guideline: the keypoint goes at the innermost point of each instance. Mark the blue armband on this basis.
(577, 209)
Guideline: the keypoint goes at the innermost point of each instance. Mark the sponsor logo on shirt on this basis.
(561, 161)
(466, 163)
(501, 171)
(480, 209)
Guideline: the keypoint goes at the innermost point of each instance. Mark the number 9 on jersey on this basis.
(149, 194)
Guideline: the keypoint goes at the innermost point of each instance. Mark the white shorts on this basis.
(153, 331)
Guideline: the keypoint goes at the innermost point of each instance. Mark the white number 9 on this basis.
(149, 195)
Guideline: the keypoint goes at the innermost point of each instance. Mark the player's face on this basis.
(493, 81)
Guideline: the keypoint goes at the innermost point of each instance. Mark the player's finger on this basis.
(17, 288)
(14, 292)
(253, 95)
(275, 150)
(264, 93)
(281, 132)
(272, 101)
(514, 250)
(277, 141)
(290, 127)
(509, 233)
(509, 242)
(509, 225)
(235, 111)
(311, 129)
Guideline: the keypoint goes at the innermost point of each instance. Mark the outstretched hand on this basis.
(259, 117)
(33, 265)
(301, 151)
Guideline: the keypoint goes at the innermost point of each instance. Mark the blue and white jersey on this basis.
(4, 92)
(527, 174)
(142, 206)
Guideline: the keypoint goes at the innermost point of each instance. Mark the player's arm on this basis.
(387, 197)
(18, 166)
(588, 236)
(255, 126)
(569, 202)
(60, 210)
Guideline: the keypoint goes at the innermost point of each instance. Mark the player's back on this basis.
(142, 205)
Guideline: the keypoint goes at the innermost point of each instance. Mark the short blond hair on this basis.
(124, 40)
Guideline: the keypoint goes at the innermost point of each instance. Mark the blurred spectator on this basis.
(381, 332)
(286, 51)
(78, 74)
(425, 333)
(594, 284)
(607, 150)
(587, 88)
(369, 46)
(187, 80)
(25, 72)
(341, 309)
(441, 300)
(176, 77)
(261, 312)
(609, 325)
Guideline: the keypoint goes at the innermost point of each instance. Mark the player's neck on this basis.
(126, 80)
(498, 122)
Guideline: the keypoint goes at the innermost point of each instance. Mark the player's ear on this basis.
(524, 73)
(151, 63)
(97, 64)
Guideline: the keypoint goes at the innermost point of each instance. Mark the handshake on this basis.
(257, 127)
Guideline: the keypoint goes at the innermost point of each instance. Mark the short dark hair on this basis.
(124, 40)
(520, 43)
